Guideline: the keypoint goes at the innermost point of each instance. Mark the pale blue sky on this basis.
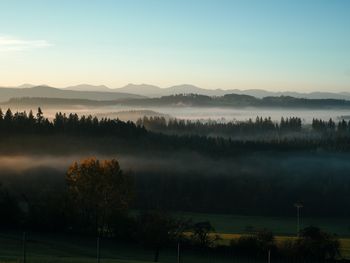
(301, 45)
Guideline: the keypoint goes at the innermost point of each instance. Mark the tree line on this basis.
(258, 127)
(23, 122)
(212, 138)
(237, 100)
(193, 100)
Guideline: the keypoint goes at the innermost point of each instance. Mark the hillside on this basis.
(88, 87)
(238, 100)
(189, 100)
(152, 91)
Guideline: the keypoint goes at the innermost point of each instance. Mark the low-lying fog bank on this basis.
(194, 113)
(257, 184)
(262, 164)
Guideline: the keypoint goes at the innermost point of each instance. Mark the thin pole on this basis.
(98, 250)
(298, 221)
(178, 252)
(298, 207)
(24, 241)
(269, 256)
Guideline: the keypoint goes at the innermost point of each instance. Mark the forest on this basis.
(170, 165)
(256, 134)
(237, 100)
(309, 164)
(187, 100)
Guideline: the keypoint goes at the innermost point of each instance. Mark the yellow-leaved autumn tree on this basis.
(99, 193)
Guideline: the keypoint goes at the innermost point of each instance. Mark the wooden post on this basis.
(98, 250)
(178, 252)
(24, 241)
(269, 256)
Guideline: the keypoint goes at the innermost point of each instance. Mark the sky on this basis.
(277, 45)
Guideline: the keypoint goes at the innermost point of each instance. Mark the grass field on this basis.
(233, 224)
(344, 242)
(62, 248)
(57, 248)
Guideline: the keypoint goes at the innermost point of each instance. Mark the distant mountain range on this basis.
(102, 92)
(154, 91)
(49, 92)
(87, 87)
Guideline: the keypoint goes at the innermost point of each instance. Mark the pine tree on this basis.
(39, 115)
(8, 116)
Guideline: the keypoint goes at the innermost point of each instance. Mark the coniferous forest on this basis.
(260, 165)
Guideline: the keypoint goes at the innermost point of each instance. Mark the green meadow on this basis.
(278, 225)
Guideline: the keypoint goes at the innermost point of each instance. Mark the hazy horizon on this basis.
(301, 46)
(29, 85)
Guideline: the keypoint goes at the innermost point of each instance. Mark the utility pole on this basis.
(24, 241)
(298, 205)
(178, 252)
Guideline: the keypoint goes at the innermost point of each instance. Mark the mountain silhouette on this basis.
(50, 92)
(102, 92)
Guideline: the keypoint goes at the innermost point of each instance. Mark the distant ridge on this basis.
(49, 92)
(26, 85)
(238, 101)
(190, 100)
(144, 89)
(87, 87)
(152, 91)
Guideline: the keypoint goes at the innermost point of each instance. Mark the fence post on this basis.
(24, 241)
(98, 250)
